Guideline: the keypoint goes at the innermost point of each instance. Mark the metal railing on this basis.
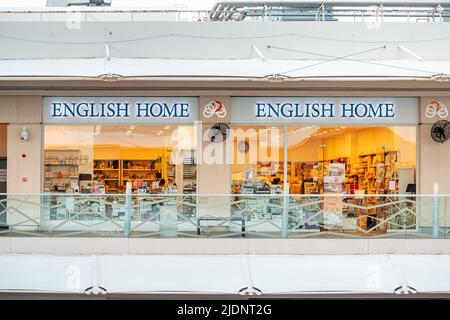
(225, 216)
(313, 10)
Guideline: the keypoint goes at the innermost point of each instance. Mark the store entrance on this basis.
(324, 159)
(105, 159)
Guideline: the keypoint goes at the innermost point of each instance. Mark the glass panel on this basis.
(257, 166)
(351, 166)
(103, 159)
(253, 215)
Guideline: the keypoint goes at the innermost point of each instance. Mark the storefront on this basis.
(97, 145)
(329, 145)
(239, 149)
(236, 159)
(339, 145)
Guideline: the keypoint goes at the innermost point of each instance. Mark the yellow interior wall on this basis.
(352, 144)
(255, 154)
(118, 153)
(308, 151)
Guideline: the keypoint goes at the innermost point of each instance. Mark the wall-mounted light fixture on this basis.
(24, 135)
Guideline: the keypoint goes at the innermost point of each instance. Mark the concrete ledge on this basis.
(69, 246)
(174, 246)
(5, 245)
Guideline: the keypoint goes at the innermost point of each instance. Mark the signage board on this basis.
(119, 110)
(324, 110)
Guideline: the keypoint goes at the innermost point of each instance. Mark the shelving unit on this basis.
(189, 171)
(114, 173)
(171, 168)
(377, 170)
(108, 172)
(189, 181)
(141, 170)
(270, 169)
(60, 168)
(372, 173)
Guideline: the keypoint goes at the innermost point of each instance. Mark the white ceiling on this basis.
(99, 44)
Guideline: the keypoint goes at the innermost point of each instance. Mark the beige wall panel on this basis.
(425, 101)
(29, 169)
(3, 141)
(213, 178)
(221, 183)
(434, 165)
(21, 109)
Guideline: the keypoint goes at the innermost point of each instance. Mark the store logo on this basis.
(434, 108)
(214, 107)
(324, 110)
(119, 110)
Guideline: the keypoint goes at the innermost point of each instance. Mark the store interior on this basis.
(328, 160)
(154, 159)
(325, 159)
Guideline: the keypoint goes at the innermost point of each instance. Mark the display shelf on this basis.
(189, 171)
(61, 168)
(69, 177)
(107, 171)
(147, 170)
(376, 170)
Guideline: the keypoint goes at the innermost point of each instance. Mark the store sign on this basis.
(120, 110)
(324, 110)
(436, 107)
(214, 107)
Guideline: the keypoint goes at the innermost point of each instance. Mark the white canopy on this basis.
(226, 274)
(51, 46)
(248, 68)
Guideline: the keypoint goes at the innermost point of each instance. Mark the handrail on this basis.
(308, 10)
(225, 215)
(432, 11)
(223, 194)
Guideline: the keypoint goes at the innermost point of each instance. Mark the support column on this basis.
(213, 170)
(24, 176)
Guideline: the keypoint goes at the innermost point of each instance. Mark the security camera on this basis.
(24, 134)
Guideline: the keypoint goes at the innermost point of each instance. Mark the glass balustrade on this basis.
(225, 216)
